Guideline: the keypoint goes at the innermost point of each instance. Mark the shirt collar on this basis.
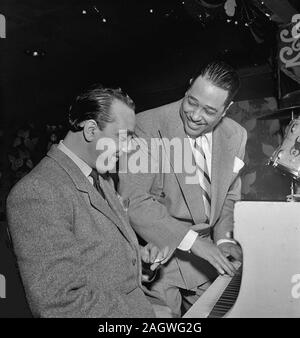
(208, 137)
(83, 166)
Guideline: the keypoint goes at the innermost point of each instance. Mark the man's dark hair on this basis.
(94, 104)
(221, 75)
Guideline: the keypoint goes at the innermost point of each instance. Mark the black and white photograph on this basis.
(150, 161)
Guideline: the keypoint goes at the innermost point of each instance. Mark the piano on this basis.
(268, 283)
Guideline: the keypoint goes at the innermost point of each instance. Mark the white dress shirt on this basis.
(206, 141)
(190, 237)
(83, 166)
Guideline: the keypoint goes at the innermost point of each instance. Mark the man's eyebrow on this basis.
(192, 97)
(128, 132)
(211, 108)
(207, 106)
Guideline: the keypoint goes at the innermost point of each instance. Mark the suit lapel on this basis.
(117, 208)
(221, 171)
(191, 191)
(222, 166)
(82, 184)
(99, 203)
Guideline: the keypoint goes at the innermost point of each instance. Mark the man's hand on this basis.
(210, 252)
(152, 258)
(153, 255)
(231, 249)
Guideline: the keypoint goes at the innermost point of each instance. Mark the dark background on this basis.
(151, 55)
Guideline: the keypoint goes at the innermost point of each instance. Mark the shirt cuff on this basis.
(224, 240)
(188, 240)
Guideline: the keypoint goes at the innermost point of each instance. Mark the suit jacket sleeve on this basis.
(224, 224)
(56, 281)
(148, 215)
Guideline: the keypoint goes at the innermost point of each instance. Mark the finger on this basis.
(154, 266)
(168, 255)
(149, 246)
(159, 257)
(166, 252)
(225, 250)
(218, 267)
(237, 251)
(145, 255)
(227, 266)
(154, 254)
(236, 254)
(163, 255)
(145, 278)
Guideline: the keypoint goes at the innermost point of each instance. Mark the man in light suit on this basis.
(168, 208)
(77, 254)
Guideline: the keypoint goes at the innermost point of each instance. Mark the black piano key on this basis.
(228, 297)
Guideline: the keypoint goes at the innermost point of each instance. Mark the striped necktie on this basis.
(203, 175)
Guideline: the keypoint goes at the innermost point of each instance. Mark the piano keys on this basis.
(269, 233)
(212, 303)
(228, 297)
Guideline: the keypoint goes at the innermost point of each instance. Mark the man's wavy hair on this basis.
(94, 104)
(221, 75)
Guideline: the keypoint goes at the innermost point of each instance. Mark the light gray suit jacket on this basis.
(162, 208)
(77, 254)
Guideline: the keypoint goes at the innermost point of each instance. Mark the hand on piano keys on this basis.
(212, 253)
(231, 250)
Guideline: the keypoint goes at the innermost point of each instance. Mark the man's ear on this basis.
(90, 128)
(191, 80)
(225, 110)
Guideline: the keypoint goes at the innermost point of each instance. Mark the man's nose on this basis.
(197, 114)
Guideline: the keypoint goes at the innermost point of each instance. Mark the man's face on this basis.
(202, 107)
(115, 138)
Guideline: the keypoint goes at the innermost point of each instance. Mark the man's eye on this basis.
(193, 103)
(210, 112)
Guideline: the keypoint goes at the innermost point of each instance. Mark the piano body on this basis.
(269, 283)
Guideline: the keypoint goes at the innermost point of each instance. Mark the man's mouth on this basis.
(196, 124)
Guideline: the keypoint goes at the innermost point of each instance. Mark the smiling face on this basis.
(202, 107)
(115, 139)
